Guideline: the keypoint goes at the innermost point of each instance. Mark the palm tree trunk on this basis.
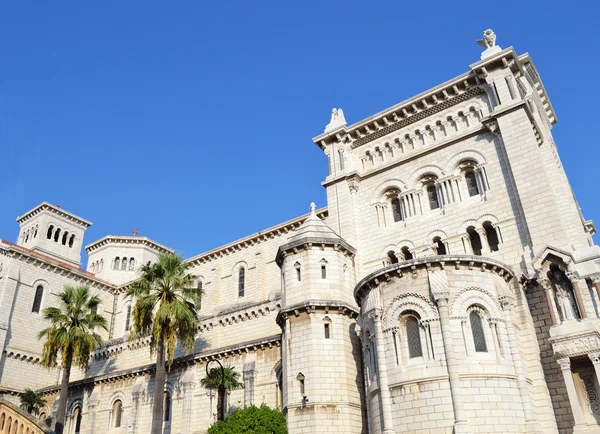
(159, 387)
(64, 394)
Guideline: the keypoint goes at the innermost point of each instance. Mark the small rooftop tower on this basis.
(53, 231)
(118, 258)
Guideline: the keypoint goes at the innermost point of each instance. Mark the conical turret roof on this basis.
(314, 231)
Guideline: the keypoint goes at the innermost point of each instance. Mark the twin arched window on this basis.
(241, 281)
(491, 235)
(124, 264)
(167, 407)
(478, 332)
(397, 210)
(413, 336)
(37, 300)
(77, 418)
(432, 196)
(117, 413)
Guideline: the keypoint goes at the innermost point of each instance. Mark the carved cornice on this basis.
(575, 345)
(45, 206)
(412, 267)
(257, 238)
(416, 116)
(179, 363)
(126, 240)
(313, 306)
(54, 265)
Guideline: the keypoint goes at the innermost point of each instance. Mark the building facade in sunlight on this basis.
(451, 284)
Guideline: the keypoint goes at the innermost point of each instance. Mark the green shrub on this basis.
(252, 420)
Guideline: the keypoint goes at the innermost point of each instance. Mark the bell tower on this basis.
(320, 349)
(51, 230)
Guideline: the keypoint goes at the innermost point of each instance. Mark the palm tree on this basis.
(32, 402)
(229, 381)
(165, 308)
(72, 336)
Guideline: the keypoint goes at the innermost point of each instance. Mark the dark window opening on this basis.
(432, 195)
(440, 246)
(413, 336)
(241, 282)
(492, 236)
(475, 240)
(37, 301)
(478, 333)
(397, 210)
(471, 180)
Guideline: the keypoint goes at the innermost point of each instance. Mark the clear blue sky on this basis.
(192, 121)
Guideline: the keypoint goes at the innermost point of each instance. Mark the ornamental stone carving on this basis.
(577, 346)
(565, 364)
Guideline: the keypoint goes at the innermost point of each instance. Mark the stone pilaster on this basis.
(186, 417)
(565, 367)
(387, 426)
(531, 424)
(92, 407)
(249, 375)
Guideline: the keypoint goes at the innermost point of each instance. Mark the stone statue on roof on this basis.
(337, 119)
(489, 39)
(489, 42)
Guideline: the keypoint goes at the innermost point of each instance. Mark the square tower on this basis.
(53, 231)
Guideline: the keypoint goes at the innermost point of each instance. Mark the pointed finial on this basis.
(134, 232)
(313, 207)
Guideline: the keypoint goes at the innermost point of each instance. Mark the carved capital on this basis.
(353, 182)
(507, 302)
(565, 364)
(595, 357)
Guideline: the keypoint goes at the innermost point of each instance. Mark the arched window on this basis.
(241, 281)
(440, 248)
(64, 238)
(413, 336)
(49, 233)
(124, 264)
(131, 264)
(200, 288)
(167, 407)
(117, 263)
(471, 180)
(397, 210)
(127, 318)
(35, 231)
(117, 413)
(323, 269)
(298, 268)
(77, 419)
(432, 195)
(491, 235)
(327, 327)
(71, 240)
(475, 240)
(57, 235)
(406, 253)
(37, 300)
(392, 257)
(101, 265)
(93, 267)
(478, 333)
(27, 236)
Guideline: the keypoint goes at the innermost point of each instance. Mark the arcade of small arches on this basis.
(13, 423)
(411, 337)
(420, 136)
(54, 234)
(123, 264)
(477, 238)
(432, 192)
(30, 233)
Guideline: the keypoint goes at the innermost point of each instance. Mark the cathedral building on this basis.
(450, 285)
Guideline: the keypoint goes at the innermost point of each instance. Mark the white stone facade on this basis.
(451, 285)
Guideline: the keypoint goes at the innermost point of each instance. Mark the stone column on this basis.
(577, 292)
(595, 358)
(461, 426)
(186, 417)
(387, 425)
(545, 283)
(565, 366)
(596, 283)
(531, 424)
(93, 402)
(136, 395)
(249, 373)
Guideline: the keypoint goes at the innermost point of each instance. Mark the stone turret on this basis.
(320, 350)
